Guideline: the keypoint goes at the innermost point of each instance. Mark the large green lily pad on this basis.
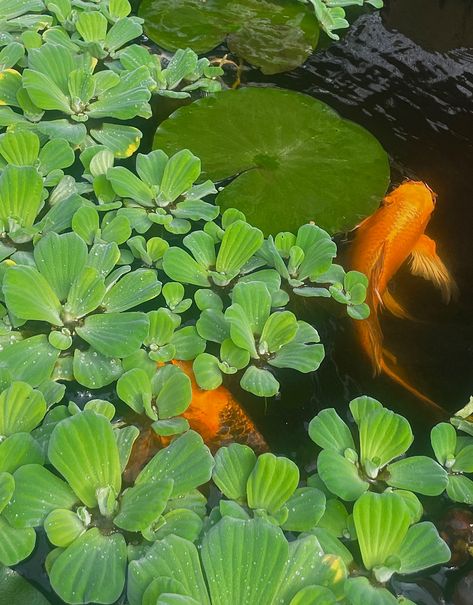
(275, 35)
(293, 159)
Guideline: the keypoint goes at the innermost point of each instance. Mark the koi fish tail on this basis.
(393, 375)
(371, 339)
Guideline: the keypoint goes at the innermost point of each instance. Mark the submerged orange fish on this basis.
(216, 415)
(394, 233)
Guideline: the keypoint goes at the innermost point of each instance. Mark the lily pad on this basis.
(274, 35)
(293, 159)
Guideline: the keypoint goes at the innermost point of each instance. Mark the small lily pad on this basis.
(292, 158)
(275, 35)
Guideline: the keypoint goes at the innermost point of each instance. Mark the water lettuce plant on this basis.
(376, 461)
(331, 13)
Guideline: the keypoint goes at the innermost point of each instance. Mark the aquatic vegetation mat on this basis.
(292, 158)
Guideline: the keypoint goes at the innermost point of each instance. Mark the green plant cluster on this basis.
(265, 535)
(331, 13)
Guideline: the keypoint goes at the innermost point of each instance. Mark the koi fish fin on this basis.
(426, 263)
(369, 330)
(391, 304)
(393, 375)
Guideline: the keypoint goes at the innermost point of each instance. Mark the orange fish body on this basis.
(216, 415)
(383, 242)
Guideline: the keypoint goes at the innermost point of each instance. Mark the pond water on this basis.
(406, 74)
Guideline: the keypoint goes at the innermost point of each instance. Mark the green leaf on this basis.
(85, 294)
(30, 507)
(271, 483)
(31, 360)
(180, 522)
(171, 427)
(464, 460)
(419, 474)
(29, 296)
(142, 504)
(306, 507)
(207, 372)
(92, 26)
(251, 576)
(180, 172)
(21, 409)
(115, 334)
(274, 37)
(132, 290)
(93, 370)
(329, 431)
(15, 590)
(173, 557)
(259, 382)
(340, 475)
(62, 527)
(134, 388)
(90, 570)
(460, 489)
(272, 139)
(72, 251)
(233, 466)
(7, 487)
(359, 591)
(381, 522)
(279, 329)
(17, 450)
(181, 267)
(239, 243)
(20, 148)
(55, 155)
(422, 548)
(187, 461)
(314, 595)
(16, 545)
(384, 436)
(335, 518)
(45, 93)
(173, 391)
(361, 407)
(84, 450)
(125, 439)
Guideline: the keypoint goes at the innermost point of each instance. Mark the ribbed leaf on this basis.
(55, 155)
(384, 436)
(279, 329)
(173, 391)
(17, 591)
(29, 296)
(329, 431)
(381, 522)
(464, 460)
(259, 382)
(126, 184)
(132, 290)
(255, 300)
(361, 407)
(239, 243)
(244, 561)
(10, 84)
(85, 223)
(31, 360)
(207, 372)
(103, 257)
(306, 507)
(181, 267)
(202, 247)
(17, 450)
(361, 592)
(142, 504)
(7, 487)
(20, 148)
(134, 388)
(419, 474)
(21, 409)
(444, 442)
(314, 595)
(72, 252)
(62, 527)
(233, 466)
(16, 544)
(460, 489)
(180, 522)
(272, 482)
(91, 570)
(180, 172)
(84, 450)
(340, 475)
(241, 331)
(174, 558)
(301, 357)
(422, 548)
(93, 370)
(86, 293)
(44, 93)
(20, 194)
(30, 507)
(115, 334)
(92, 26)
(187, 461)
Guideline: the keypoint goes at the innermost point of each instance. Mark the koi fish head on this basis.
(414, 195)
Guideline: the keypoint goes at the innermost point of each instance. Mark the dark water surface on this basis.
(406, 74)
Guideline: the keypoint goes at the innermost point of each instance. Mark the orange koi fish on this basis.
(393, 234)
(216, 415)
